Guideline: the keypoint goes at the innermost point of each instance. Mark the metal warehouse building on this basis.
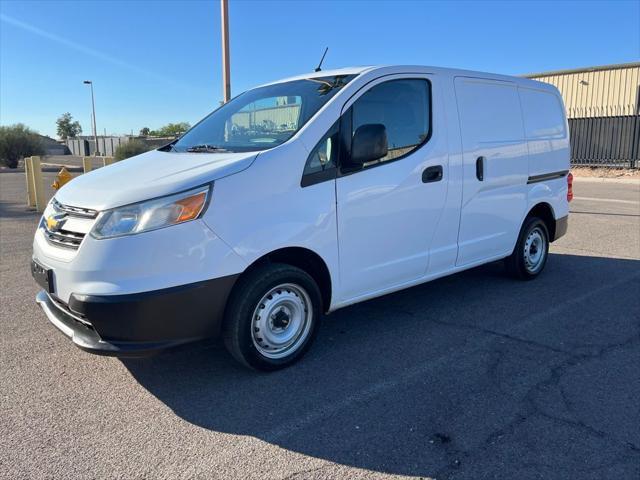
(603, 108)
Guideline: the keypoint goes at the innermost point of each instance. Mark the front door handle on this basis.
(432, 174)
(480, 168)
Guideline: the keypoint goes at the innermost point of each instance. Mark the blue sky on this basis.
(154, 62)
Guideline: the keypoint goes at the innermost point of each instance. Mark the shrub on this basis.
(130, 149)
(16, 142)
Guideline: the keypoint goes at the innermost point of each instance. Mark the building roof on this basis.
(46, 140)
(598, 68)
(601, 91)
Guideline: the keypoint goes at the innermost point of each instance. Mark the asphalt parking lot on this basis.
(472, 376)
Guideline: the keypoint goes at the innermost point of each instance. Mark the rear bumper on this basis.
(142, 323)
(561, 227)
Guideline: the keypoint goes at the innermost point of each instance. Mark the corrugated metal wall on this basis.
(603, 108)
(279, 115)
(597, 92)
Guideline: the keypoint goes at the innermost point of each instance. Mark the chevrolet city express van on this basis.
(300, 197)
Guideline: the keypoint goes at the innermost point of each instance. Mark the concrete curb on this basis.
(628, 181)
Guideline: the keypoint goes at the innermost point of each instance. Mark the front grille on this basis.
(64, 238)
(66, 226)
(76, 211)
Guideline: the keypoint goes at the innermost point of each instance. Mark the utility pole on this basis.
(226, 65)
(93, 108)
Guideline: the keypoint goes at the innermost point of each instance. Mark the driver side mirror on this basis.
(369, 143)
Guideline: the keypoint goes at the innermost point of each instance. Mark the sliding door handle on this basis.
(480, 168)
(432, 174)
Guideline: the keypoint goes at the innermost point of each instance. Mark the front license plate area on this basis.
(43, 276)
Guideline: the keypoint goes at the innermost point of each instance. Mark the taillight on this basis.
(569, 187)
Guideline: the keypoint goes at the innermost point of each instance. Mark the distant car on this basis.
(300, 197)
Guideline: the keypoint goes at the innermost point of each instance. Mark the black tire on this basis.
(519, 264)
(251, 290)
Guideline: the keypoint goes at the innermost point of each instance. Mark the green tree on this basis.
(16, 142)
(67, 128)
(171, 130)
(144, 132)
(130, 149)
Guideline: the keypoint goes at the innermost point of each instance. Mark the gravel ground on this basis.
(603, 172)
(471, 376)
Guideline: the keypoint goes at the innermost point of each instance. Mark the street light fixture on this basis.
(93, 108)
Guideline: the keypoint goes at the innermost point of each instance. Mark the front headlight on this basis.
(151, 214)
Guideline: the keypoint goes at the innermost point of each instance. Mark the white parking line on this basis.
(608, 200)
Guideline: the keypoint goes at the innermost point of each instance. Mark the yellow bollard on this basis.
(62, 178)
(38, 186)
(87, 164)
(107, 161)
(28, 173)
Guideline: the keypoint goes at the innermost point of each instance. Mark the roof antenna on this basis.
(319, 67)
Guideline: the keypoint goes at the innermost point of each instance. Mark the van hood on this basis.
(152, 174)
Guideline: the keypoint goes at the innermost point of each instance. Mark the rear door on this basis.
(389, 210)
(495, 168)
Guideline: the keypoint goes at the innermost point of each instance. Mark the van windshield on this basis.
(261, 118)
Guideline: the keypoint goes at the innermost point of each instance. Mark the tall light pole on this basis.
(93, 109)
(226, 65)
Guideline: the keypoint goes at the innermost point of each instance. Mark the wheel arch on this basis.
(545, 212)
(304, 259)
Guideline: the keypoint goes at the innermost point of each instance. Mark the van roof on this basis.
(392, 69)
(324, 73)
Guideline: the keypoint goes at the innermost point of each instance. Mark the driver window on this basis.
(403, 107)
(325, 153)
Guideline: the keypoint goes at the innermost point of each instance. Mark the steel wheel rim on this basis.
(281, 321)
(534, 250)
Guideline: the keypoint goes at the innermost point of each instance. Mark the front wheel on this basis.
(272, 316)
(530, 255)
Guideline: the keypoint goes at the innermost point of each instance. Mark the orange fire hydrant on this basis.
(62, 177)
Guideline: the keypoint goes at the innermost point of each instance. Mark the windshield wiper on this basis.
(168, 147)
(205, 148)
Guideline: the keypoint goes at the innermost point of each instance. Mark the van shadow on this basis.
(420, 382)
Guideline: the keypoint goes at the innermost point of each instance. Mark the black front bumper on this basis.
(141, 323)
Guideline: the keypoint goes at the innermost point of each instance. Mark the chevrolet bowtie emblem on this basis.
(53, 223)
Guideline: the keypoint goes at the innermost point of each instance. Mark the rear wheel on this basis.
(532, 249)
(272, 316)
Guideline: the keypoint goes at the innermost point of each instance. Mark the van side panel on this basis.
(546, 131)
(265, 209)
(547, 135)
(492, 137)
(443, 250)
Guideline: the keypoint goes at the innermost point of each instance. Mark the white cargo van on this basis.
(300, 197)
